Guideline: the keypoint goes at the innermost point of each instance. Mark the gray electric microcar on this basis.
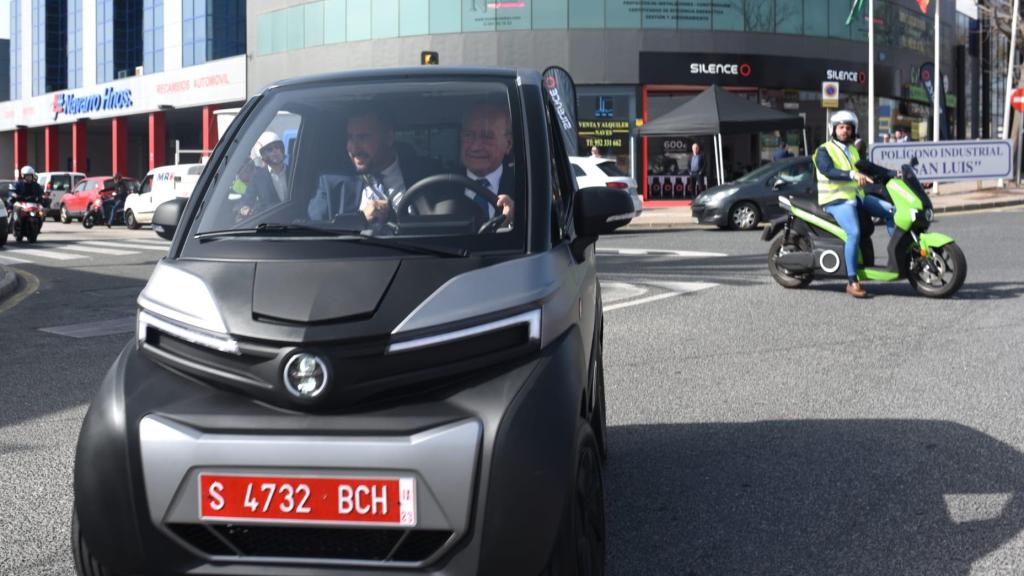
(374, 346)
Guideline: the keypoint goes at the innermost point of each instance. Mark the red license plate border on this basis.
(412, 502)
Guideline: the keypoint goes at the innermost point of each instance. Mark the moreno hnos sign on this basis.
(69, 104)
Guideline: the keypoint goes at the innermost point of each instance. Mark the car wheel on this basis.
(580, 549)
(598, 418)
(85, 563)
(130, 221)
(65, 218)
(744, 216)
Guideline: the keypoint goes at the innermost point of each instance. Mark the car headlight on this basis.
(180, 303)
(717, 197)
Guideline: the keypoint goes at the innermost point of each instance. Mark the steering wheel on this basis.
(455, 181)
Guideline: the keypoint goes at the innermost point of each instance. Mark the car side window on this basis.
(147, 185)
(577, 171)
(561, 185)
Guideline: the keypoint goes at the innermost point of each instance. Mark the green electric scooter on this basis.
(811, 245)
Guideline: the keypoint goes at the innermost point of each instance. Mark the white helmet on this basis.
(842, 117)
(265, 139)
(27, 170)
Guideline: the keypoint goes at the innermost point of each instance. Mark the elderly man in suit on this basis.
(486, 142)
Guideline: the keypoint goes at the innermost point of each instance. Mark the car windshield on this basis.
(758, 174)
(428, 161)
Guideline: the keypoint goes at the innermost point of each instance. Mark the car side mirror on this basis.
(598, 210)
(166, 217)
(778, 183)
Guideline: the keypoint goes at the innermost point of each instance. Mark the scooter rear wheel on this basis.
(784, 277)
(940, 274)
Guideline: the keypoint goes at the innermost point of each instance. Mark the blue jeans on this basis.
(846, 214)
(113, 207)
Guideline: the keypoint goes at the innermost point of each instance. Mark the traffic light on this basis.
(429, 58)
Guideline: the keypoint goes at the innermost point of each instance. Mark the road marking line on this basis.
(645, 252)
(94, 250)
(31, 284)
(13, 260)
(654, 298)
(91, 329)
(676, 289)
(126, 245)
(51, 254)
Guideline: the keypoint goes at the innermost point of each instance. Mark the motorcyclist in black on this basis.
(27, 189)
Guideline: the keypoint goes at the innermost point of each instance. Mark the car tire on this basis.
(744, 216)
(65, 217)
(85, 563)
(580, 549)
(598, 418)
(130, 221)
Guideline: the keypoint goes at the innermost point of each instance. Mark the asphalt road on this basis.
(754, 430)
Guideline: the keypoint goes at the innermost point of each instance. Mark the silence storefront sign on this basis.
(752, 70)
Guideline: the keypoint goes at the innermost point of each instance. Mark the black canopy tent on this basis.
(715, 112)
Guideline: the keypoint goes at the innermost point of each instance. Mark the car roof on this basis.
(419, 72)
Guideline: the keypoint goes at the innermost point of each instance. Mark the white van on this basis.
(160, 185)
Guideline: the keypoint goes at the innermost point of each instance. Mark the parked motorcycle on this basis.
(812, 242)
(99, 210)
(25, 219)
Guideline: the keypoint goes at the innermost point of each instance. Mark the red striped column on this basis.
(119, 145)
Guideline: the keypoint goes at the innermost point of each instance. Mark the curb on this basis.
(984, 205)
(8, 282)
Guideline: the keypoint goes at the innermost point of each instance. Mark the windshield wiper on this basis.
(271, 228)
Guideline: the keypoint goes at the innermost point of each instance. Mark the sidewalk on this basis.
(8, 282)
(951, 198)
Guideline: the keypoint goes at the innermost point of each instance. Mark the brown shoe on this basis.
(854, 289)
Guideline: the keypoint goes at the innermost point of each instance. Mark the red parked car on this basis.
(75, 204)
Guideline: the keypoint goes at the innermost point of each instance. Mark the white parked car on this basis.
(160, 185)
(591, 171)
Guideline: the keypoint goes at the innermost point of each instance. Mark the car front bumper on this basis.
(705, 214)
(492, 461)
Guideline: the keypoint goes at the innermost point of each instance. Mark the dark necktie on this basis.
(479, 198)
(373, 183)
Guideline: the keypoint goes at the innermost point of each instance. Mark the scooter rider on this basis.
(27, 189)
(841, 190)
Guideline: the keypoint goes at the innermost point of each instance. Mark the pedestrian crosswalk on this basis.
(71, 252)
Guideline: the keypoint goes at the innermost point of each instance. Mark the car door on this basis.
(793, 179)
(141, 203)
(75, 201)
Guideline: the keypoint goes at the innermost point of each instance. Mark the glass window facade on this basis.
(352, 20)
(15, 51)
(75, 79)
(152, 36)
(211, 30)
(118, 38)
(49, 46)
(104, 41)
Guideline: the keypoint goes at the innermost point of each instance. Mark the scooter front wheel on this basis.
(88, 221)
(941, 273)
(784, 277)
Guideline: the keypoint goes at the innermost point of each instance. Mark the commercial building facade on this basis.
(103, 86)
(634, 60)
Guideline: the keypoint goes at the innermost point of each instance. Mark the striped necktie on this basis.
(479, 198)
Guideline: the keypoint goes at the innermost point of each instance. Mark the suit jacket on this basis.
(506, 185)
(701, 165)
(341, 193)
(259, 191)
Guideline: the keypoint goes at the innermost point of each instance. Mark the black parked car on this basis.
(359, 376)
(745, 202)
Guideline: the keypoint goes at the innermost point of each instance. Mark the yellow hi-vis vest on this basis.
(832, 190)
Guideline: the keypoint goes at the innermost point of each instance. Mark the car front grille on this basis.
(354, 544)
